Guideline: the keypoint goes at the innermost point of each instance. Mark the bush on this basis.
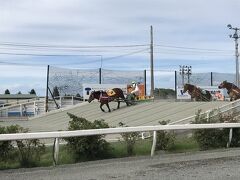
(215, 138)
(5, 146)
(29, 150)
(130, 139)
(91, 147)
(165, 140)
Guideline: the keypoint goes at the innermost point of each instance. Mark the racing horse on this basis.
(104, 98)
(232, 90)
(196, 93)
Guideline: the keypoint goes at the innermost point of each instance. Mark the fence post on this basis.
(72, 100)
(211, 78)
(55, 151)
(34, 107)
(100, 75)
(154, 143)
(20, 109)
(208, 116)
(230, 137)
(145, 82)
(175, 85)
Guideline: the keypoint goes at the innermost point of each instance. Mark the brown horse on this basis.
(232, 90)
(197, 93)
(104, 98)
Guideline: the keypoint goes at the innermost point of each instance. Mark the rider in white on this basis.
(135, 89)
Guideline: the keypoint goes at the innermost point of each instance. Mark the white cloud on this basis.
(187, 23)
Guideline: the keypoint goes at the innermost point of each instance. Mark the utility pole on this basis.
(151, 62)
(235, 37)
(185, 70)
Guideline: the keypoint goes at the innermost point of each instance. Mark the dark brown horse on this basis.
(104, 98)
(232, 90)
(197, 93)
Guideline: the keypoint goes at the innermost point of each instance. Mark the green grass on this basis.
(142, 147)
(117, 150)
(184, 144)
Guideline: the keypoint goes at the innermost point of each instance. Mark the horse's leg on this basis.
(125, 99)
(101, 107)
(118, 105)
(109, 110)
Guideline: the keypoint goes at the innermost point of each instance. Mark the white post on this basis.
(154, 143)
(20, 109)
(60, 101)
(142, 135)
(56, 151)
(72, 101)
(230, 138)
(34, 107)
(208, 113)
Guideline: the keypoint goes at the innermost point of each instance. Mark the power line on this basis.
(128, 54)
(30, 54)
(89, 62)
(192, 53)
(192, 48)
(69, 46)
(68, 49)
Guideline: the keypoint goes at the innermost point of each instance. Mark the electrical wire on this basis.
(70, 46)
(192, 48)
(63, 55)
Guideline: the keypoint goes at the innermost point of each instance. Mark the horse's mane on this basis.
(190, 85)
(233, 85)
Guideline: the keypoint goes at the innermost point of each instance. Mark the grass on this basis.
(117, 150)
(184, 144)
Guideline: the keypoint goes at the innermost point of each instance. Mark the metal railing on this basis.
(63, 134)
(36, 107)
(223, 109)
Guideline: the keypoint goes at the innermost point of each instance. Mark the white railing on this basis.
(91, 132)
(223, 109)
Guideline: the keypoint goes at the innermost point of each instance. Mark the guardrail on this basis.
(91, 132)
(223, 109)
(37, 106)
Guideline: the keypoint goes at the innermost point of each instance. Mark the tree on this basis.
(55, 92)
(32, 91)
(19, 92)
(7, 91)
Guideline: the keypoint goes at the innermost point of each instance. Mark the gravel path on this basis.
(219, 165)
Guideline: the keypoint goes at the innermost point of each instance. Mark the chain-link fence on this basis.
(205, 79)
(70, 81)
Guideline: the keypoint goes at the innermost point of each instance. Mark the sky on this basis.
(113, 34)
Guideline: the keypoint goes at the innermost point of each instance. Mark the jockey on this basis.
(135, 89)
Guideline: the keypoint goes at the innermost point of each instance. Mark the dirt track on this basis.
(219, 165)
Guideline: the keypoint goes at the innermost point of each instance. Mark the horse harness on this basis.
(102, 97)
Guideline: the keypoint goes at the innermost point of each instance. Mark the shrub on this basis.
(5, 146)
(91, 147)
(29, 150)
(165, 139)
(215, 138)
(130, 139)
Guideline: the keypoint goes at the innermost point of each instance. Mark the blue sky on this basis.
(178, 27)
